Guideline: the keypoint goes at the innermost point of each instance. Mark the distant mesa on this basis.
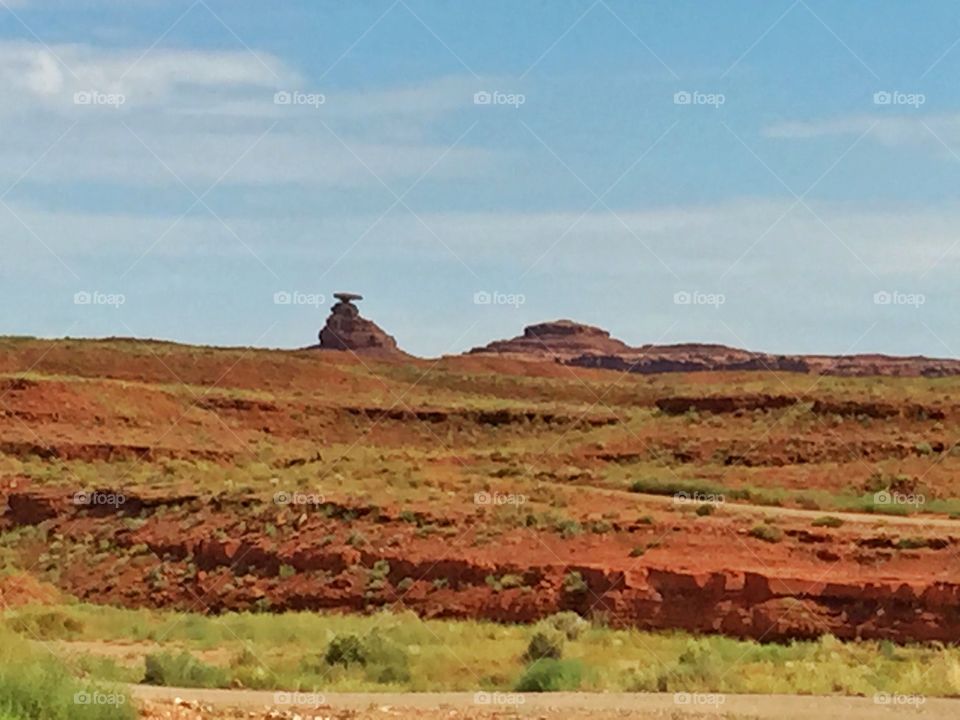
(560, 339)
(346, 330)
(571, 343)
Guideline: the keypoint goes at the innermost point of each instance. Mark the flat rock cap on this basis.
(347, 296)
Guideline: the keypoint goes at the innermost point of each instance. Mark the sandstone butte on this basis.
(347, 330)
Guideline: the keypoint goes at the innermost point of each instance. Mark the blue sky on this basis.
(789, 167)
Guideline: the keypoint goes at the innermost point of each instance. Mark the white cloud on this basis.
(200, 111)
(895, 131)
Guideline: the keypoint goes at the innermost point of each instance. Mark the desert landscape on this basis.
(479, 360)
(502, 519)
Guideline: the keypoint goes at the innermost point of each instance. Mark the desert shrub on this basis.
(545, 643)
(382, 660)
(345, 650)
(767, 533)
(405, 584)
(567, 622)
(568, 528)
(827, 521)
(551, 676)
(912, 543)
(182, 670)
(511, 581)
(574, 583)
(637, 551)
(599, 527)
(705, 509)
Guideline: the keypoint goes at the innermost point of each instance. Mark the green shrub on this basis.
(345, 650)
(574, 583)
(705, 509)
(545, 643)
(912, 543)
(511, 581)
(382, 660)
(828, 521)
(568, 528)
(182, 670)
(551, 676)
(767, 533)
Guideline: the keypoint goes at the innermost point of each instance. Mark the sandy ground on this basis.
(184, 704)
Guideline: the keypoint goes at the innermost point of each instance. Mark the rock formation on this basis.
(561, 339)
(572, 343)
(347, 330)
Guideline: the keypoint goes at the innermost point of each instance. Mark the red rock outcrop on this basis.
(347, 330)
(562, 339)
(573, 343)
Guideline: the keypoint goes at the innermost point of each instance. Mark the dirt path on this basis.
(918, 521)
(569, 705)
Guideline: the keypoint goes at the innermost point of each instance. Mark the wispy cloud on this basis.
(896, 131)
